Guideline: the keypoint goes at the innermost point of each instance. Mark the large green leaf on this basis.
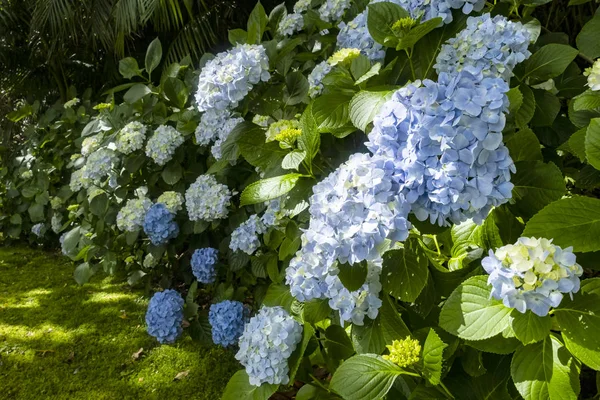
(433, 350)
(588, 100)
(549, 61)
(296, 358)
(268, 189)
(176, 91)
(380, 19)
(572, 221)
(136, 92)
(128, 68)
(579, 320)
(353, 276)
(365, 105)
(253, 148)
(470, 313)
(278, 295)
(310, 139)
(587, 40)
(547, 107)
(239, 388)
(545, 370)
(527, 109)
(257, 23)
(365, 376)
(297, 88)
(153, 55)
(316, 310)
(536, 185)
(330, 112)
(405, 273)
(338, 344)
(528, 327)
(524, 146)
(592, 143)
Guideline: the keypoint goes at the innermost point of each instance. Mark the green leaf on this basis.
(338, 344)
(392, 326)
(547, 107)
(257, 23)
(293, 159)
(545, 370)
(330, 112)
(353, 276)
(576, 144)
(310, 392)
(496, 345)
(411, 38)
(176, 91)
(433, 350)
(527, 108)
(278, 295)
(237, 36)
(83, 273)
(536, 185)
(289, 247)
(592, 143)
(99, 204)
(172, 173)
(153, 56)
(316, 310)
(251, 144)
(297, 88)
(365, 376)
(365, 105)
(530, 328)
(549, 61)
(579, 320)
(310, 139)
(368, 338)
(515, 100)
(573, 222)
(16, 219)
(136, 92)
(470, 313)
(373, 71)
(128, 68)
(268, 189)
(588, 100)
(524, 146)
(296, 358)
(404, 273)
(587, 40)
(381, 18)
(36, 212)
(239, 388)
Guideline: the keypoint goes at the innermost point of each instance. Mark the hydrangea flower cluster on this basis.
(333, 10)
(227, 320)
(271, 215)
(532, 274)
(61, 239)
(315, 78)
(56, 223)
(91, 144)
(269, 339)
(593, 76)
(150, 261)
(131, 137)
(290, 24)
(77, 181)
(245, 236)
(302, 6)
(404, 353)
(262, 120)
(279, 126)
(162, 144)
(207, 200)
(432, 9)
(487, 47)
(445, 140)
(227, 79)
(38, 229)
(99, 165)
(160, 225)
(215, 126)
(172, 200)
(165, 315)
(203, 264)
(131, 217)
(355, 35)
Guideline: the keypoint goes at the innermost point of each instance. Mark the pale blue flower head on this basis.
(333, 10)
(162, 144)
(227, 320)
(315, 78)
(269, 339)
(245, 237)
(131, 138)
(165, 315)
(355, 35)
(207, 200)
(131, 216)
(99, 165)
(39, 229)
(290, 24)
(215, 127)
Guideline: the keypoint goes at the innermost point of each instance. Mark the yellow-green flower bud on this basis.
(343, 56)
(404, 352)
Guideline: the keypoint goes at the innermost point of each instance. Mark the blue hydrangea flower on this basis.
(215, 126)
(272, 213)
(245, 236)
(131, 217)
(207, 200)
(443, 8)
(315, 78)
(333, 10)
(165, 315)
(269, 339)
(160, 225)
(290, 24)
(162, 144)
(99, 165)
(78, 182)
(532, 274)
(227, 79)
(131, 138)
(445, 141)
(227, 320)
(203, 264)
(172, 200)
(489, 47)
(355, 35)
(38, 229)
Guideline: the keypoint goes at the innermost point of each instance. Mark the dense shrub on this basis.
(343, 171)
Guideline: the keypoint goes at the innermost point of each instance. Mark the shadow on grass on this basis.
(62, 341)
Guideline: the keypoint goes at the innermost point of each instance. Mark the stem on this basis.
(412, 68)
(447, 392)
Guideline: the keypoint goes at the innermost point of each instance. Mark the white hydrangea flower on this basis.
(290, 24)
(131, 217)
(91, 144)
(172, 200)
(163, 143)
(131, 138)
(99, 164)
(593, 76)
(207, 200)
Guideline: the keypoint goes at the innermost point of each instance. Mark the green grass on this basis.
(59, 340)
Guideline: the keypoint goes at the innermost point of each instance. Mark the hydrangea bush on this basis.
(361, 199)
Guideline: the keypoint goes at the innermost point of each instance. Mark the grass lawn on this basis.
(62, 341)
